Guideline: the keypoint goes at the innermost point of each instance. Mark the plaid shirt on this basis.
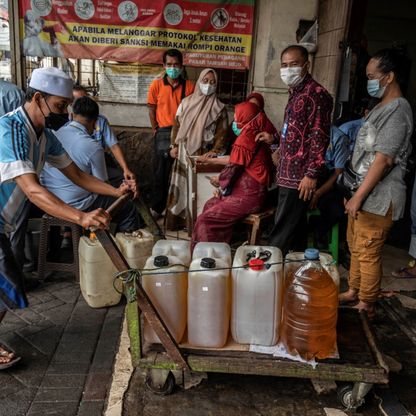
(305, 133)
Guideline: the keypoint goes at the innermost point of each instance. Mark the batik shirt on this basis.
(23, 152)
(305, 133)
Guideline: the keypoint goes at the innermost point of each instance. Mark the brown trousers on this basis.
(366, 236)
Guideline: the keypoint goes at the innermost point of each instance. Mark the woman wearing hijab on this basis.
(242, 184)
(200, 129)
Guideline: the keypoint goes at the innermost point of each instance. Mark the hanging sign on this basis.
(215, 33)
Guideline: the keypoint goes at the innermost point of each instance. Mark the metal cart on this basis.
(360, 362)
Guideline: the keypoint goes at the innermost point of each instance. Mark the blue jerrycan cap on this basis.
(312, 254)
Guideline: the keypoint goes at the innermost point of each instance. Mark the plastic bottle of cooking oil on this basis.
(295, 259)
(96, 274)
(176, 248)
(208, 302)
(310, 310)
(165, 280)
(136, 247)
(256, 295)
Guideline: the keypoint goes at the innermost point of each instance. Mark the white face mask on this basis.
(291, 76)
(207, 89)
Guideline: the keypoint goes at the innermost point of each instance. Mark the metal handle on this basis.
(115, 206)
(119, 203)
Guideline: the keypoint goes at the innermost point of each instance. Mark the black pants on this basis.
(162, 164)
(127, 218)
(289, 231)
(332, 210)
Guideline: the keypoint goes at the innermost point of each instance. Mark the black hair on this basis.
(30, 92)
(86, 107)
(302, 50)
(79, 87)
(392, 60)
(174, 53)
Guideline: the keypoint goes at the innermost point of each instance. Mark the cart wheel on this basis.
(344, 396)
(160, 383)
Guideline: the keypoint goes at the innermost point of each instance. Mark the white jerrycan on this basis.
(165, 281)
(213, 250)
(208, 303)
(96, 274)
(136, 247)
(176, 248)
(257, 295)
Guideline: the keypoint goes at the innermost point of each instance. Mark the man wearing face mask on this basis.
(303, 142)
(164, 97)
(88, 155)
(25, 145)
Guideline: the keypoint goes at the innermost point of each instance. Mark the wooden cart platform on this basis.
(169, 364)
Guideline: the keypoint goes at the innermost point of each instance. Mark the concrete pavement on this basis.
(67, 350)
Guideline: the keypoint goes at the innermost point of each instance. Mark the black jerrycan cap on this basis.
(161, 261)
(208, 263)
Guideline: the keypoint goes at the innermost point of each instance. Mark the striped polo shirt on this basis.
(23, 152)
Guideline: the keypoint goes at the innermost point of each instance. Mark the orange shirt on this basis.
(167, 99)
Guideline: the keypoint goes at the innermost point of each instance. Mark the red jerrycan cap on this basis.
(256, 264)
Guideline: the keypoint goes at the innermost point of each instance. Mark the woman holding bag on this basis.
(243, 183)
(200, 129)
(379, 158)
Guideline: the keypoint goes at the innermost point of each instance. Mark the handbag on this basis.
(349, 181)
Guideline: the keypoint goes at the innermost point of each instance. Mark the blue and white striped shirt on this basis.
(22, 152)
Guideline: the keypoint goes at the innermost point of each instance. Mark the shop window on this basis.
(232, 85)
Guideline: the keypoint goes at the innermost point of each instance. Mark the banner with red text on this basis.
(216, 33)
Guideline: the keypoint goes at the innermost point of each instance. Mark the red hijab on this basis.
(258, 97)
(257, 160)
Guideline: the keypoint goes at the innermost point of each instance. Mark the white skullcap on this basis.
(53, 81)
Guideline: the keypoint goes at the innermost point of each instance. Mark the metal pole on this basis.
(17, 65)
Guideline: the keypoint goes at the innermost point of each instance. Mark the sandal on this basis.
(7, 354)
(403, 273)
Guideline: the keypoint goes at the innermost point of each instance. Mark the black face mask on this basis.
(55, 121)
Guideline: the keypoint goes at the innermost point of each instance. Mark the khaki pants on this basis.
(366, 236)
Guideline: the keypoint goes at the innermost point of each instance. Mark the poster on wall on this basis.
(126, 83)
(215, 33)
